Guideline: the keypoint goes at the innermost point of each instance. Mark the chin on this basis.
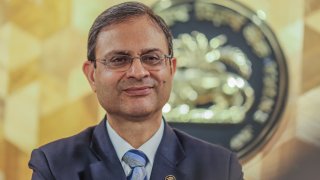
(139, 112)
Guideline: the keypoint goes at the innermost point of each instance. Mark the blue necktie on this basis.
(137, 160)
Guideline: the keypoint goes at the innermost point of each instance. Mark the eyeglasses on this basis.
(150, 61)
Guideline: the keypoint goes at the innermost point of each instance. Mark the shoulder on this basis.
(201, 152)
(191, 143)
(69, 143)
(210, 160)
(62, 155)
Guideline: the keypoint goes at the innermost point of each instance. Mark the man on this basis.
(130, 67)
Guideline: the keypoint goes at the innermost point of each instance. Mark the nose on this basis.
(137, 70)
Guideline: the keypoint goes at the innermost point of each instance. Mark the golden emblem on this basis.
(170, 177)
(231, 82)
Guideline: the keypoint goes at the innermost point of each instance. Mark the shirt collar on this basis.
(149, 148)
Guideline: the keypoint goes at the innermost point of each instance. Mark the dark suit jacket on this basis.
(90, 155)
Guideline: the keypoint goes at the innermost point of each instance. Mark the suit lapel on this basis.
(103, 171)
(108, 165)
(169, 154)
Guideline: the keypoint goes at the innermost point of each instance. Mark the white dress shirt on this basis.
(149, 148)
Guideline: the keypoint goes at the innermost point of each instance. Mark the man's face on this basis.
(136, 92)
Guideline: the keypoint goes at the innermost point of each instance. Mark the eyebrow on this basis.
(120, 52)
(127, 52)
(145, 51)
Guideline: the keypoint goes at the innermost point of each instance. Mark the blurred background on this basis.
(44, 95)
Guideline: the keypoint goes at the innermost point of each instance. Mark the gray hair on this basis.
(120, 13)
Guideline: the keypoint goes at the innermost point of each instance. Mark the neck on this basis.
(136, 131)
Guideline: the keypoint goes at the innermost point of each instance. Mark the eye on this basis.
(119, 60)
(151, 59)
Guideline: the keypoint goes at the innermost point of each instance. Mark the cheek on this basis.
(106, 92)
(106, 83)
(166, 84)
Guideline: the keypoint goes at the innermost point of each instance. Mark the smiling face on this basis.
(137, 92)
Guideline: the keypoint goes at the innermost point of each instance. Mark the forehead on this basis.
(133, 35)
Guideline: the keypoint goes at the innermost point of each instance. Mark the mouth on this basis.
(138, 91)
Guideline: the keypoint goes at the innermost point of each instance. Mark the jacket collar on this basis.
(168, 156)
(108, 165)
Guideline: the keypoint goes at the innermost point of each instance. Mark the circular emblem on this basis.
(231, 82)
(170, 177)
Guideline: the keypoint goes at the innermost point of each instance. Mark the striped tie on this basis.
(137, 160)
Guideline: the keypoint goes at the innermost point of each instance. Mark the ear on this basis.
(173, 66)
(89, 71)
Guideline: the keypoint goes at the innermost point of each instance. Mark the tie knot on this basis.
(135, 158)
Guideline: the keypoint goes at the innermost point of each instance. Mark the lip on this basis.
(138, 91)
